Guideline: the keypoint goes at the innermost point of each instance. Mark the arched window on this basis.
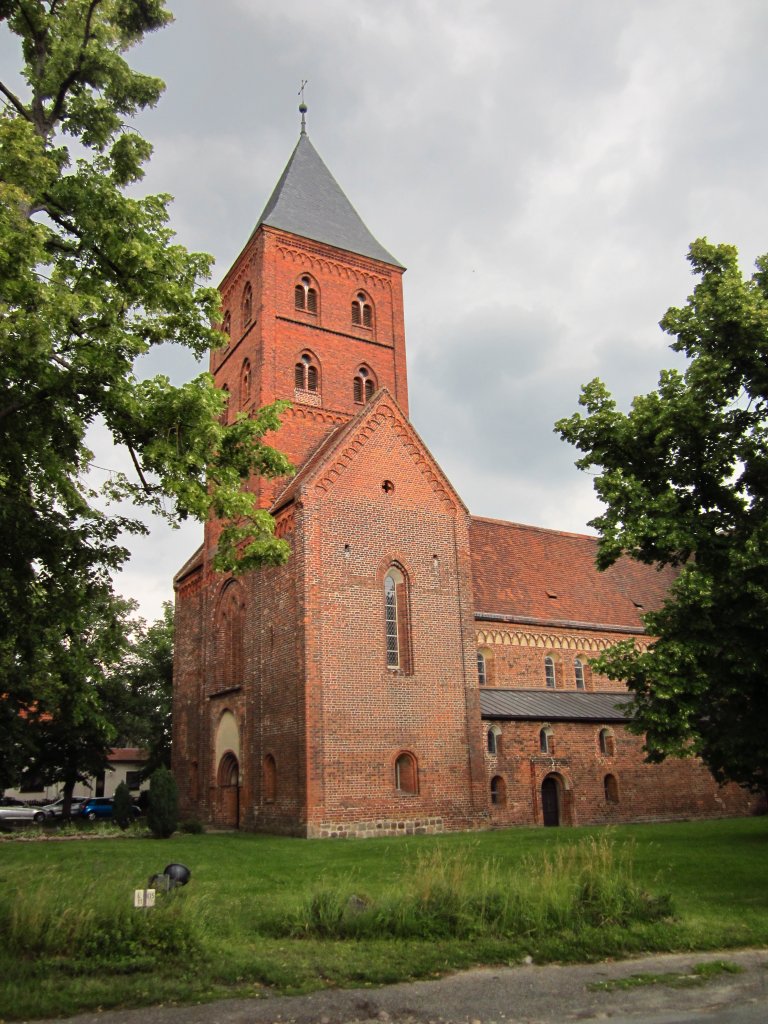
(607, 743)
(482, 673)
(396, 621)
(362, 311)
(230, 620)
(224, 414)
(578, 671)
(547, 741)
(363, 385)
(305, 374)
(269, 779)
(406, 773)
(549, 672)
(611, 788)
(245, 382)
(494, 739)
(247, 304)
(226, 324)
(498, 791)
(305, 295)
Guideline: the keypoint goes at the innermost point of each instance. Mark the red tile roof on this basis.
(528, 573)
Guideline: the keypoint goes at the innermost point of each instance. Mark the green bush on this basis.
(163, 811)
(121, 806)
(192, 827)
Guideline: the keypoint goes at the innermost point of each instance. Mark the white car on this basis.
(55, 809)
(16, 810)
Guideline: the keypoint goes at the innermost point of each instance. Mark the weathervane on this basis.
(303, 107)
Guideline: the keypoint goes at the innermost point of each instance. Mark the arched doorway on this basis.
(228, 778)
(551, 800)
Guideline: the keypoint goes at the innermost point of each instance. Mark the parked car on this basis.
(100, 807)
(12, 809)
(55, 809)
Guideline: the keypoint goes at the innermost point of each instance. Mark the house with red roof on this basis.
(411, 668)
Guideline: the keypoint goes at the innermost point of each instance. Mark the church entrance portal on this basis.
(229, 791)
(551, 800)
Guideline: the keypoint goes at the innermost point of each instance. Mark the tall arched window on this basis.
(269, 779)
(226, 325)
(362, 311)
(397, 632)
(406, 773)
(245, 382)
(363, 385)
(578, 671)
(493, 739)
(498, 791)
(305, 374)
(482, 673)
(230, 620)
(607, 743)
(549, 672)
(247, 304)
(611, 789)
(305, 295)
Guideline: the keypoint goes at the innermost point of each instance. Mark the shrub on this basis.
(192, 827)
(121, 806)
(163, 812)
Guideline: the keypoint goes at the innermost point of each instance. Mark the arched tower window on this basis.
(498, 791)
(247, 304)
(549, 672)
(547, 741)
(578, 671)
(396, 621)
(406, 773)
(224, 414)
(484, 667)
(607, 742)
(306, 376)
(245, 382)
(493, 740)
(269, 779)
(230, 620)
(363, 386)
(362, 311)
(226, 325)
(305, 295)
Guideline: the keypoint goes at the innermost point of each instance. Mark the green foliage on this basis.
(163, 812)
(700, 975)
(91, 278)
(121, 806)
(684, 480)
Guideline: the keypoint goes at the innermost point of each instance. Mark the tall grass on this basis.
(450, 894)
(95, 924)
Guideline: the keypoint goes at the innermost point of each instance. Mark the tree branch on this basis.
(137, 467)
(16, 102)
(58, 105)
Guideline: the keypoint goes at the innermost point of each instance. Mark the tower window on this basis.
(362, 311)
(363, 386)
(247, 305)
(611, 789)
(245, 382)
(549, 672)
(396, 624)
(305, 374)
(226, 325)
(305, 295)
(406, 774)
(606, 742)
(498, 791)
(546, 741)
(493, 739)
(482, 675)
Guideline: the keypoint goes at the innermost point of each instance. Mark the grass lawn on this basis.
(254, 917)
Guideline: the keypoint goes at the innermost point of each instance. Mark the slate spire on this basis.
(308, 201)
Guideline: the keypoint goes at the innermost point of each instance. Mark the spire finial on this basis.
(303, 107)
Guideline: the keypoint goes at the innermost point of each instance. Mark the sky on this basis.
(539, 167)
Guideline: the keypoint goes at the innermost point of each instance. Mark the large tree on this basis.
(91, 279)
(684, 479)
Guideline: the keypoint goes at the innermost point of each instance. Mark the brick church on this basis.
(412, 668)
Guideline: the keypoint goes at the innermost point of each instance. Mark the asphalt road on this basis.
(511, 995)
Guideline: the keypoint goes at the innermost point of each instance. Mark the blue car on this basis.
(100, 807)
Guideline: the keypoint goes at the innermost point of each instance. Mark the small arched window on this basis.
(362, 311)
(547, 741)
(482, 673)
(611, 789)
(363, 385)
(247, 304)
(494, 739)
(269, 779)
(607, 743)
(245, 382)
(226, 325)
(406, 774)
(224, 414)
(305, 374)
(578, 671)
(305, 295)
(396, 621)
(498, 791)
(549, 672)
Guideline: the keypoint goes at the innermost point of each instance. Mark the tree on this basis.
(684, 478)
(163, 813)
(122, 806)
(91, 279)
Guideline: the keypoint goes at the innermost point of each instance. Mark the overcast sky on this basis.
(540, 168)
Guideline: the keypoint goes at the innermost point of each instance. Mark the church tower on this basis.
(313, 310)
